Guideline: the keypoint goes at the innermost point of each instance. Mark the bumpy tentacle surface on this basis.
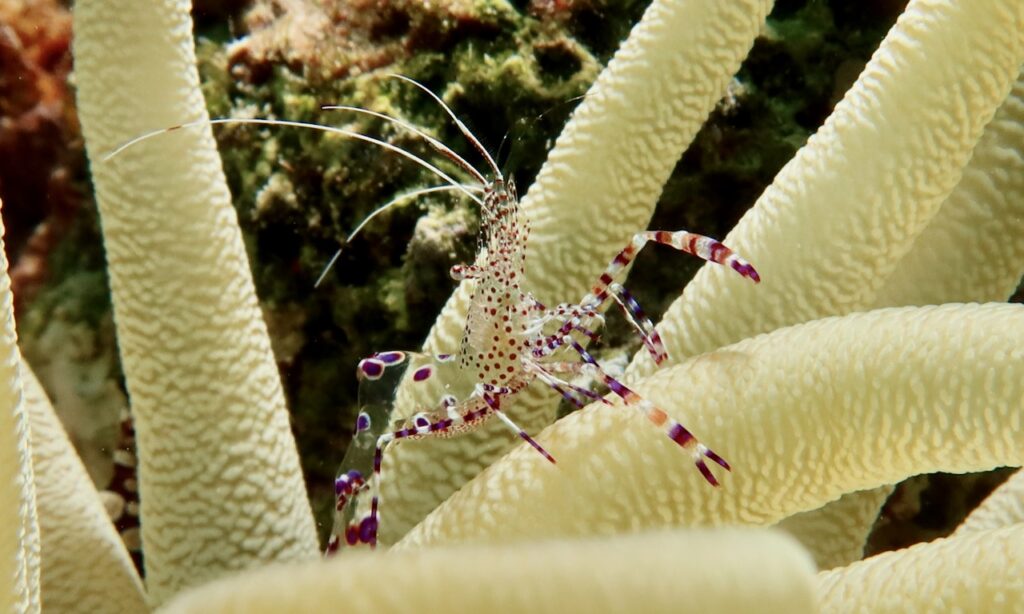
(803, 414)
(716, 571)
(974, 248)
(215, 447)
(19, 527)
(85, 565)
(979, 572)
(598, 187)
(857, 197)
(838, 218)
(835, 534)
(1003, 508)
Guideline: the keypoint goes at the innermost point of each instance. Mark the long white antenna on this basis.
(394, 201)
(435, 143)
(283, 122)
(458, 122)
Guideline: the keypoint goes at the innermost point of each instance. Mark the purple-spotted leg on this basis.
(449, 420)
(675, 431)
(639, 320)
(546, 374)
(492, 395)
(703, 247)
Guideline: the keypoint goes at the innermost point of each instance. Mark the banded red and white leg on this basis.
(492, 396)
(657, 416)
(546, 373)
(701, 246)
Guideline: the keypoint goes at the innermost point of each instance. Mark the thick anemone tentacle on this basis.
(658, 572)
(804, 414)
(1003, 508)
(972, 250)
(835, 533)
(214, 441)
(842, 217)
(976, 572)
(866, 184)
(19, 524)
(85, 565)
(598, 187)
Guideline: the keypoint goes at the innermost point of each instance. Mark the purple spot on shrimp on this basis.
(390, 358)
(362, 422)
(368, 530)
(370, 368)
(352, 535)
(445, 357)
(616, 387)
(354, 476)
(680, 435)
(746, 270)
(422, 373)
(421, 421)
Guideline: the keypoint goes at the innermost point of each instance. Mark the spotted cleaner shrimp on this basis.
(510, 338)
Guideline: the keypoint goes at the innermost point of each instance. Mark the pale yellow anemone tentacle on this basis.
(835, 534)
(837, 219)
(599, 186)
(712, 571)
(85, 565)
(1003, 508)
(840, 215)
(804, 415)
(978, 572)
(219, 474)
(19, 526)
(973, 250)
